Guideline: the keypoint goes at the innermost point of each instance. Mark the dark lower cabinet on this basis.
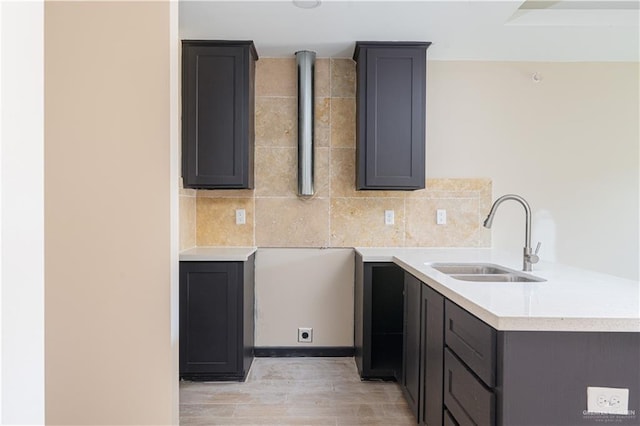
(410, 379)
(218, 114)
(456, 370)
(216, 320)
(379, 307)
(533, 378)
(391, 114)
(431, 357)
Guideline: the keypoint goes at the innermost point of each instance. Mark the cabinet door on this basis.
(209, 317)
(432, 358)
(391, 114)
(411, 342)
(217, 115)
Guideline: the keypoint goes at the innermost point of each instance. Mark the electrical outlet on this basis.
(389, 217)
(441, 217)
(241, 217)
(305, 335)
(607, 400)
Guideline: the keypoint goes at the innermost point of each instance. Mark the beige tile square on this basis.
(276, 171)
(276, 121)
(343, 177)
(322, 81)
(187, 222)
(343, 122)
(216, 222)
(276, 77)
(463, 229)
(343, 78)
(360, 222)
(292, 222)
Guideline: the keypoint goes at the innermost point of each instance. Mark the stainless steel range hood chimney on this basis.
(305, 61)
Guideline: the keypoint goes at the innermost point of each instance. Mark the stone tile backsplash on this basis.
(337, 215)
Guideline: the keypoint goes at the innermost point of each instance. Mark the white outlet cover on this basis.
(389, 217)
(241, 217)
(607, 400)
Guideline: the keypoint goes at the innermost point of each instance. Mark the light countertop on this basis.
(217, 254)
(571, 299)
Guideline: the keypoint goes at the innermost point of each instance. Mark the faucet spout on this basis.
(529, 257)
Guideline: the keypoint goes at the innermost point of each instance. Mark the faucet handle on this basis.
(534, 258)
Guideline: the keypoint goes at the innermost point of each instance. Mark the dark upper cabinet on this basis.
(391, 115)
(216, 319)
(218, 114)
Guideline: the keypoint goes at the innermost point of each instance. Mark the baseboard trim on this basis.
(295, 351)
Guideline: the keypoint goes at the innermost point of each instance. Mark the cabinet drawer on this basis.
(472, 340)
(468, 400)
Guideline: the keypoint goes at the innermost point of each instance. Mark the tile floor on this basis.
(295, 391)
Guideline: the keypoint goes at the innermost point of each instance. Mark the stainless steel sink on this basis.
(492, 278)
(470, 268)
(483, 272)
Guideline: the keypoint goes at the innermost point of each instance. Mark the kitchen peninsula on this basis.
(499, 353)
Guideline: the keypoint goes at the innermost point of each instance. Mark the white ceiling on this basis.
(568, 30)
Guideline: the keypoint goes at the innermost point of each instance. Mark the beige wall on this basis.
(108, 350)
(337, 215)
(569, 144)
(304, 288)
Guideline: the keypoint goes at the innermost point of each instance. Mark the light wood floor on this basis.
(295, 391)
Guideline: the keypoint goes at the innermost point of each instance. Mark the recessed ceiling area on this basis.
(568, 30)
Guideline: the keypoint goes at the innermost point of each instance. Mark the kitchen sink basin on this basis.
(470, 268)
(483, 272)
(492, 278)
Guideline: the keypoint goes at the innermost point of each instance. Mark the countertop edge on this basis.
(217, 254)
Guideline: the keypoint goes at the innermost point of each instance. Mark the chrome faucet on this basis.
(529, 258)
